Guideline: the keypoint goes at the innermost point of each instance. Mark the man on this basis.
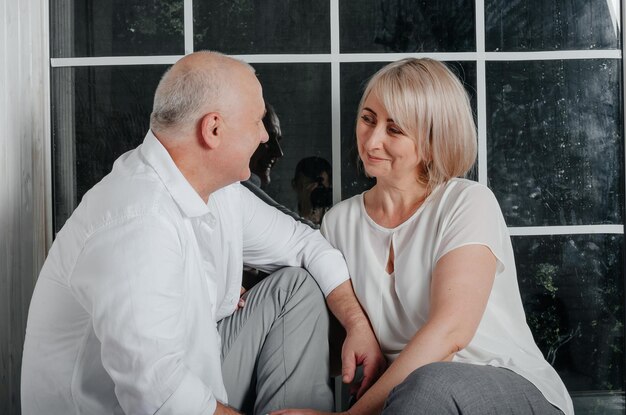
(137, 306)
(262, 161)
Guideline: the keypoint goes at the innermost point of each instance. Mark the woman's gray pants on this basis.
(275, 349)
(460, 388)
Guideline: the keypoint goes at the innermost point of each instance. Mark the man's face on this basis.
(243, 123)
(267, 154)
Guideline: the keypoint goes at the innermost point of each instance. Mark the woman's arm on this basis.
(460, 287)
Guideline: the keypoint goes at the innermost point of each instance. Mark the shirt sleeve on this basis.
(130, 278)
(272, 239)
(473, 217)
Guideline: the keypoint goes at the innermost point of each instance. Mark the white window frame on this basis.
(335, 58)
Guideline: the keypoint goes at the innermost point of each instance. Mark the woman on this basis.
(431, 259)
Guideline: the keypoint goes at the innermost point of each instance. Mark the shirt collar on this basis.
(177, 185)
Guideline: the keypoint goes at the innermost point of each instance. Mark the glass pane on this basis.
(573, 293)
(354, 77)
(407, 26)
(604, 403)
(98, 114)
(300, 94)
(529, 25)
(116, 28)
(254, 27)
(555, 145)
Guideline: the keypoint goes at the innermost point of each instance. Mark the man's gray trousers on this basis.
(275, 349)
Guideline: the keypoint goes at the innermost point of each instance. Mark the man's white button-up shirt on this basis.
(123, 317)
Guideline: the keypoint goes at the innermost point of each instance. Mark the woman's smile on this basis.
(375, 159)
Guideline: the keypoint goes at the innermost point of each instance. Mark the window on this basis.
(546, 82)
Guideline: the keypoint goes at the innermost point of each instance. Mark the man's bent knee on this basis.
(300, 283)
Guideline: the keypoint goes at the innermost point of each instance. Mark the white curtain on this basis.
(25, 228)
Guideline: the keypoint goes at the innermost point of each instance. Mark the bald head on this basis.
(196, 84)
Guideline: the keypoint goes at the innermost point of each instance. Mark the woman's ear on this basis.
(211, 126)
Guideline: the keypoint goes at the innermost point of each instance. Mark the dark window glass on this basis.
(407, 26)
(555, 145)
(300, 94)
(605, 403)
(98, 114)
(354, 78)
(535, 25)
(258, 27)
(572, 290)
(101, 112)
(116, 28)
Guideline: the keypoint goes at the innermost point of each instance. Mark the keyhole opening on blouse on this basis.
(390, 260)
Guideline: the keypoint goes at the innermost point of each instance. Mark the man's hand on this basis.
(241, 302)
(360, 346)
(222, 409)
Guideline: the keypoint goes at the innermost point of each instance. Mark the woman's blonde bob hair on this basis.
(428, 102)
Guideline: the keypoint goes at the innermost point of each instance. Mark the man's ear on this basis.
(211, 126)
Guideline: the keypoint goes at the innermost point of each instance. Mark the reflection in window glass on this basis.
(536, 25)
(555, 150)
(572, 290)
(300, 94)
(98, 114)
(354, 78)
(255, 27)
(116, 28)
(407, 26)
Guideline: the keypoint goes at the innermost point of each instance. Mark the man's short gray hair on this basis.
(186, 92)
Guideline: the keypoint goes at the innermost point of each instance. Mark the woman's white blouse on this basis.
(458, 213)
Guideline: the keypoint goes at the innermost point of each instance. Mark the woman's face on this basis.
(386, 151)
